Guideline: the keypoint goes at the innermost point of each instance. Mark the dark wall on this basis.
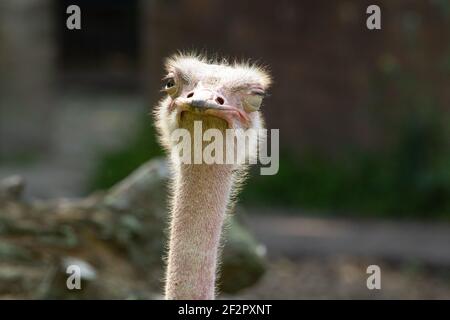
(335, 81)
(105, 52)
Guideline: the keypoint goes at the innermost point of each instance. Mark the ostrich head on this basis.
(220, 94)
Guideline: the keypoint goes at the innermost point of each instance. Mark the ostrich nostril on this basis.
(190, 94)
(220, 100)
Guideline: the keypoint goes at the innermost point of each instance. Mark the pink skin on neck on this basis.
(198, 212)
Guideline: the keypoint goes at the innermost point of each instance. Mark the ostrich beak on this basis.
(202, 99)
(211, 103)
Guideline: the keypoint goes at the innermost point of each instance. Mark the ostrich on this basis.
(222, 96)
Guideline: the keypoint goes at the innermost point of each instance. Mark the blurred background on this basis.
(363, 116)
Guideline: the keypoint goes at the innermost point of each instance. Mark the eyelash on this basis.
(258, 93)
(170, 83)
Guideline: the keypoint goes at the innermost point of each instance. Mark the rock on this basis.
(144, 188)
(118, 237)
(243, 259)
(12, 252)
(11, 188)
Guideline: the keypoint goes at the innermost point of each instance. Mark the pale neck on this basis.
(201, 194)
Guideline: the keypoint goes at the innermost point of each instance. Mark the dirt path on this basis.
(296, 236)
(345, 278)
(327, 258)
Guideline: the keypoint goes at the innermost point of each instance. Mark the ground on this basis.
(345, 278)
(322, 257)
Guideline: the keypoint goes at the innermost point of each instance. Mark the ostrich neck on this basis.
(198, 212)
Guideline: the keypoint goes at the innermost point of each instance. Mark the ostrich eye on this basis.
(170, 83)
(253, 101)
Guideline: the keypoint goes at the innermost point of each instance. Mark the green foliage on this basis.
(410, 180)
(113, 167)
